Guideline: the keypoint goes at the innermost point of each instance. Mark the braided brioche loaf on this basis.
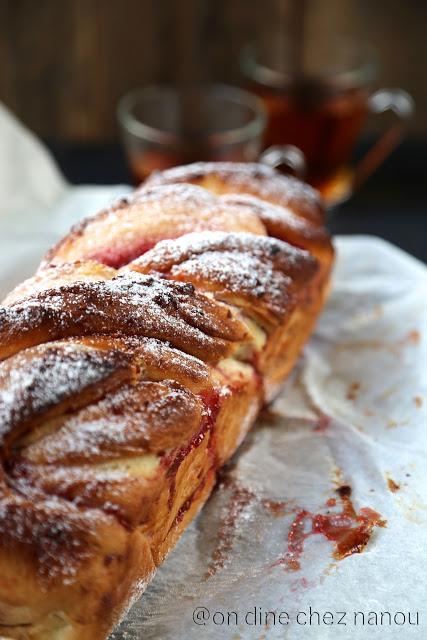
(133, 364)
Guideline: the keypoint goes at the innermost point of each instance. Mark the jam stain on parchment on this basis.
(240, 499)
(392, 485)
(322, 423)
(349, 530)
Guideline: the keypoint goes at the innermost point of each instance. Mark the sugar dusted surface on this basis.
(172, 252)
(37, 379)
(259, 269)
(156, 360)
(280, 221)
(63, 534)
(56, 275)
(130, 304)
(251, 178)
(116, 236)
(147, 417)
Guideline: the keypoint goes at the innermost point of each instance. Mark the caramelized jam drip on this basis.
(348, 530)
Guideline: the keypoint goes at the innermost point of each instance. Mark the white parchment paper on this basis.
(353, 413)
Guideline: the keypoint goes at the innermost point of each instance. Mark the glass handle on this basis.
(402, 105)
(398, 101)
(286, 155)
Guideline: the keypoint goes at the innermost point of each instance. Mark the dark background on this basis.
(65, 64)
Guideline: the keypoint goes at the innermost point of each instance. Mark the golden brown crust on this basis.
(157, 360)
(54, 275)
(282, 223)
(40, 382)
(121, 393)
(120, 234)
(256, 273)
(129, 304)
(53, 556)
(246, 178)
(147, 417)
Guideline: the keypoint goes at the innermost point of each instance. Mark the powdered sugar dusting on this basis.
(259, 270)
(130, 304)
(252, 178)
(162, 360)
(281, 222)
(57, 535)
(38, 379)
(119, 235)
(156, 359)
(55, 275)
(147, 417)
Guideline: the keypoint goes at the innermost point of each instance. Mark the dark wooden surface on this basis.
(65, 63)
(392, 204)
